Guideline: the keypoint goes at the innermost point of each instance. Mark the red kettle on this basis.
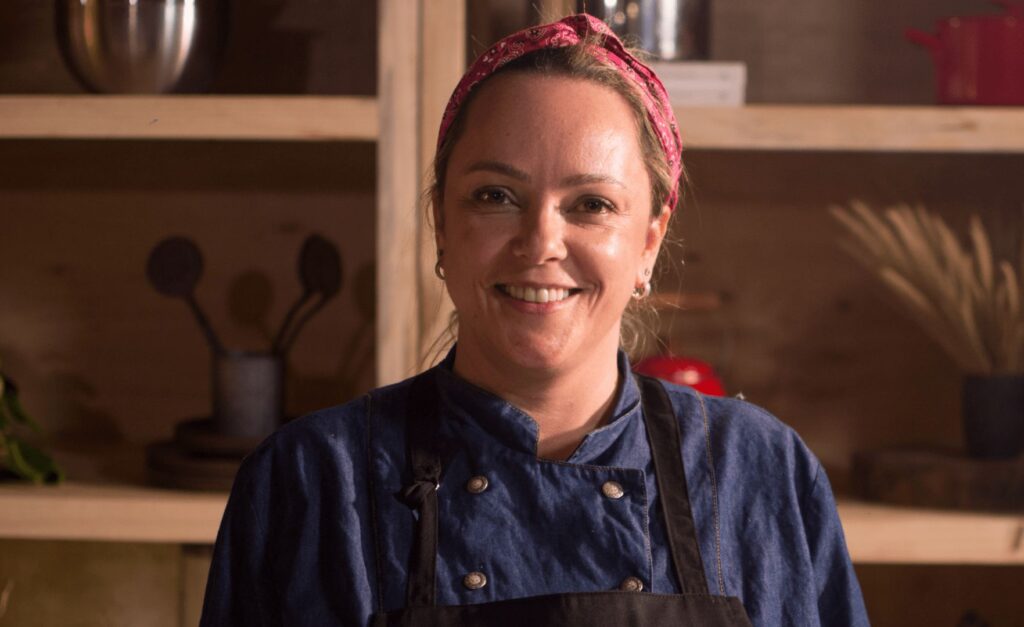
(979, 59)
(682, 371)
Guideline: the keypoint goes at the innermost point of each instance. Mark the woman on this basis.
(530, 478)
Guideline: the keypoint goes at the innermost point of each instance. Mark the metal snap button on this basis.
(477, 484)
(474, 580)
(612, 489)
(631, 584)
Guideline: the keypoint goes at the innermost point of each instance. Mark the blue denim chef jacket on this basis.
(297, 544)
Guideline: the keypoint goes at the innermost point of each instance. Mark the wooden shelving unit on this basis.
(412, 90)
(875, 533)
(223, 118)
(787, 128)
(884, 534)
(108, 512)
(346, 118)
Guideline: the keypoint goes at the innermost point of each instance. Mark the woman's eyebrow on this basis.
(516, 173)
(500, 168)
(583, 179)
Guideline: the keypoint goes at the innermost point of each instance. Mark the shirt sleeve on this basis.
(840, 601)
(239, 590)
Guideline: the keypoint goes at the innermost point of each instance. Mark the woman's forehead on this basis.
(541, 97)
(553, 121)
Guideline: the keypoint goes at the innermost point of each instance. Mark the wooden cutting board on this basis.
(943, 479)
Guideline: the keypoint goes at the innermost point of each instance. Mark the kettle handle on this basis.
(1015, 8)
(922, 38)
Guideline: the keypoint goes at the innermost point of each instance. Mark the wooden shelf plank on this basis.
(76, 511)
(275, 118)
(884, 534)
(355, 118)
(878, 534)
(853, 128)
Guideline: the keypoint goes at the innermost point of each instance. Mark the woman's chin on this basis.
(541, 352)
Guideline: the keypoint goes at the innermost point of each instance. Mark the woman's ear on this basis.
(656, 234)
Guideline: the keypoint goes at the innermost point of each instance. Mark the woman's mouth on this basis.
(531, 294)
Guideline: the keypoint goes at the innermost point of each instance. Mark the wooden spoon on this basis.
(320, 273)
(174, 268)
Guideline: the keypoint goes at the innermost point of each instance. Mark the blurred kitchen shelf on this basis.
(854, 128)
(878, 534)
(355, 118)
(110, 512)
(225, 118)
(885, 534)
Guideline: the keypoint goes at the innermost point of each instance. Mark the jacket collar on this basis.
(477, 414)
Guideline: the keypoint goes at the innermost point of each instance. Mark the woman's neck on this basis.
(567, 403)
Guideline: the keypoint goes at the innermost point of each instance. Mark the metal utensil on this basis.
(174, 268)
(142, 46)
(320, 273)
(674, 30)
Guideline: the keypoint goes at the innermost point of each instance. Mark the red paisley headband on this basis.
(570, 31)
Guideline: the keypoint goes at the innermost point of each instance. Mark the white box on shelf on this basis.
(703, 83)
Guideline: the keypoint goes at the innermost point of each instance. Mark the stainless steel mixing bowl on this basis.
(674, 30)
(142, 46)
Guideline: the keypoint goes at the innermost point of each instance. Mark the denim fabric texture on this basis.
(297, 543)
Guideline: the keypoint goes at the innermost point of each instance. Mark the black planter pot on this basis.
(993, 412)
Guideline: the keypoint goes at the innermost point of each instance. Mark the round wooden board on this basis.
(170, 466)
(200, 438)
(942, 479)
(174, 481)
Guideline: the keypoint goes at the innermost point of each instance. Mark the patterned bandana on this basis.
(567, 32)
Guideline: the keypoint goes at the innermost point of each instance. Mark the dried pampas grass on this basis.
(966, 300)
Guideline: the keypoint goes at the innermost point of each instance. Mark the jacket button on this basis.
(612, 489)
(631, 584)
(477, 484)
(474, 580)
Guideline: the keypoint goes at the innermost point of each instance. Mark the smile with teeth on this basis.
(537, 295)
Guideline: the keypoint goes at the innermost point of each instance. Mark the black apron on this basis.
(611, 608)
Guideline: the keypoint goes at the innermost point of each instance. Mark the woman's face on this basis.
(546, 222)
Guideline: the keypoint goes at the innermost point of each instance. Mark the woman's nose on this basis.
(541, 236)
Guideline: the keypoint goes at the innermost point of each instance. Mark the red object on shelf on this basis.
(979, 59)
(697, 374)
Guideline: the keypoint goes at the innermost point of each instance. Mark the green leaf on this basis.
(30, 463)
(16, 461)
(19, 414)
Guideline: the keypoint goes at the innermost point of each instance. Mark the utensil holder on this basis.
(248, 393)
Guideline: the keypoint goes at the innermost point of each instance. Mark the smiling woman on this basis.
(530, 477)
(655, 135)
(546, 194)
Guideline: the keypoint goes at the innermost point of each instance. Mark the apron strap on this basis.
(665, 441)
(421, 494)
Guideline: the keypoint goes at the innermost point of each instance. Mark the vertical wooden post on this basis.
(398, 49)
(421, 51)
(444, 54)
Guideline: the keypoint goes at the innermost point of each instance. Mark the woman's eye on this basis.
(596, 205)
(493, 197)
